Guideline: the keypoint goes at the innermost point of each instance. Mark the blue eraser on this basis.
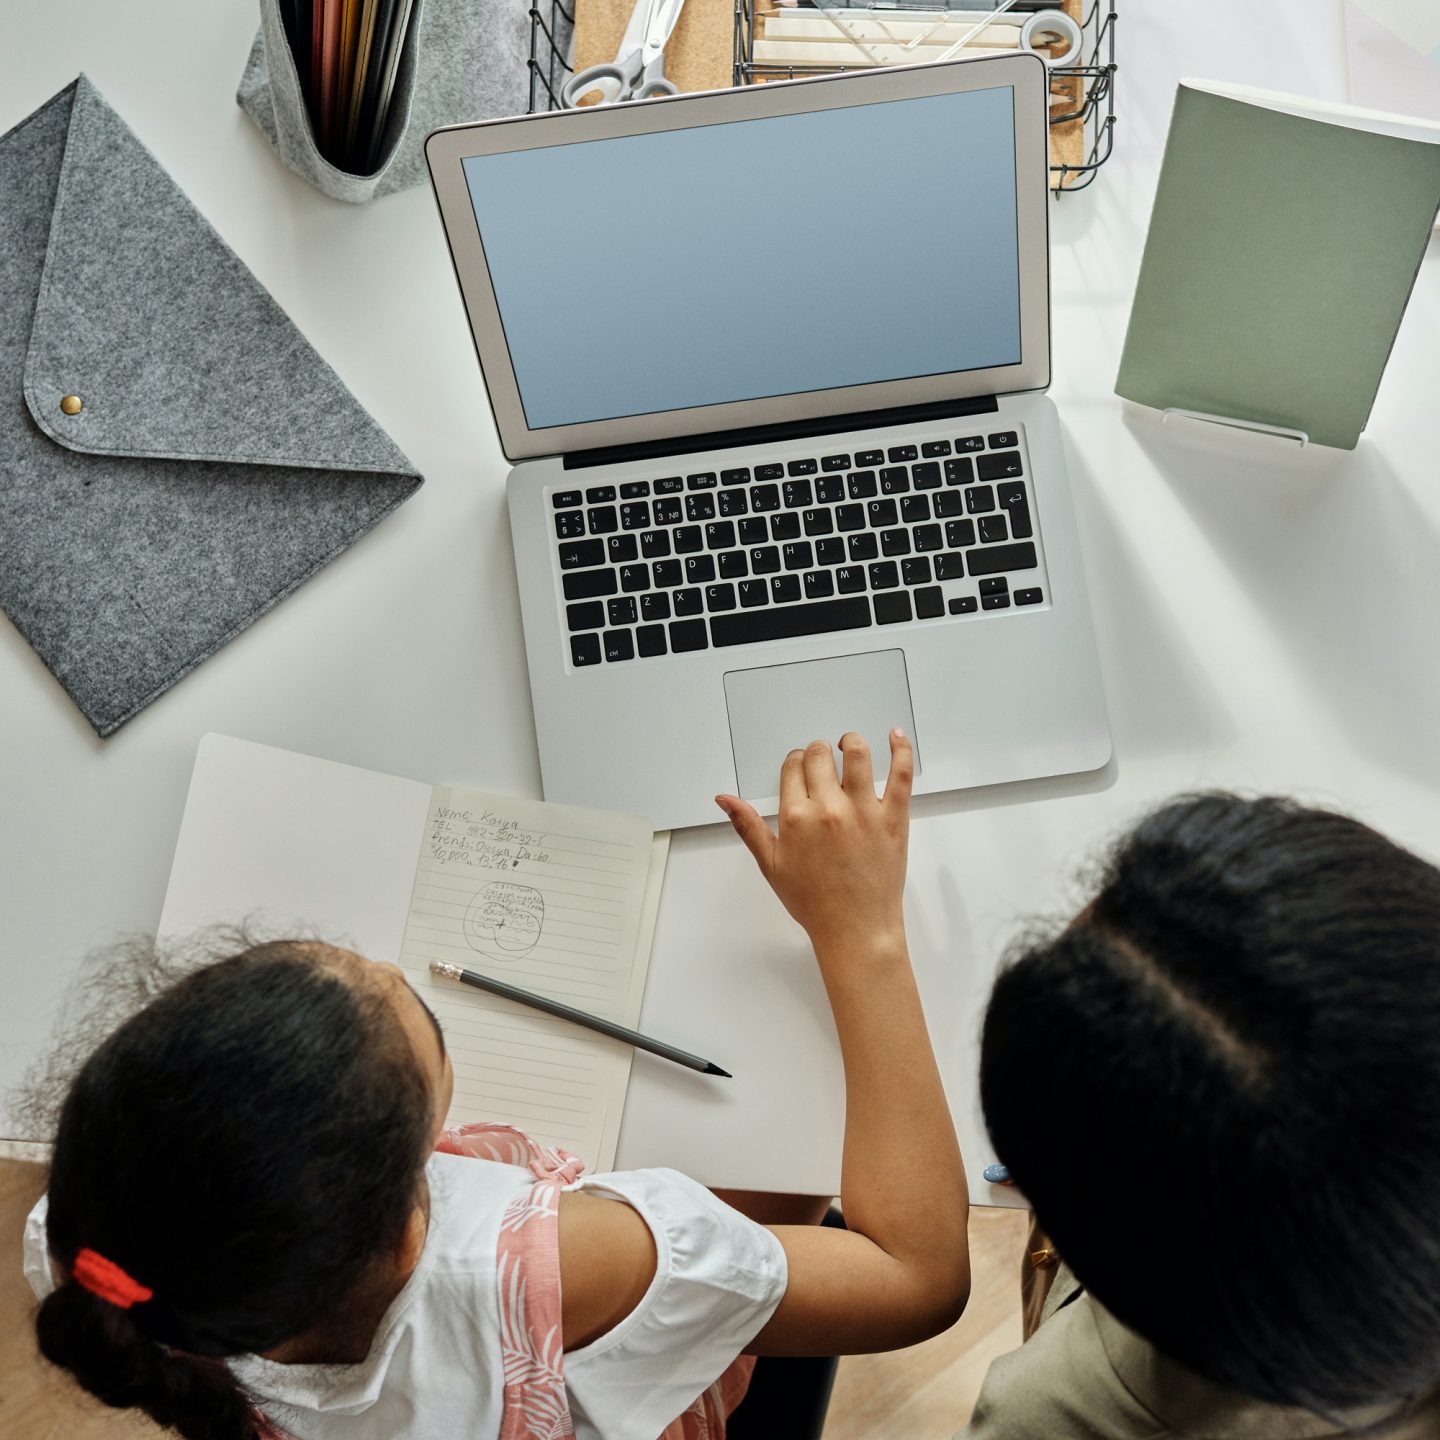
(996, 1174)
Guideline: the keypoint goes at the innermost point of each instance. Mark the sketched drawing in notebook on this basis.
(553, 899)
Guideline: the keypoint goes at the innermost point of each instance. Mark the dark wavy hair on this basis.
(1241, 1036)
(247, 1146)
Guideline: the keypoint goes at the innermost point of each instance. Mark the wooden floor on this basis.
(924, 1393)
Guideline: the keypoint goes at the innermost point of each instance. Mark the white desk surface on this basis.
(1267, 619)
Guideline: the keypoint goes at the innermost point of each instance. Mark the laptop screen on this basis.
(756, 258)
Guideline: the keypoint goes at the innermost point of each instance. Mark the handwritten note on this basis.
(553, 899)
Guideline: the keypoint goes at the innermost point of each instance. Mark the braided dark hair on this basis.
(249, 1147)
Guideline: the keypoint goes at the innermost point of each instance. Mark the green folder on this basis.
(1282, 250)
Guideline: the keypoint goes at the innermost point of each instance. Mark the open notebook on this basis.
(554, 899)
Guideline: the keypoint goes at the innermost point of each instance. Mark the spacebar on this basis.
(783, 622)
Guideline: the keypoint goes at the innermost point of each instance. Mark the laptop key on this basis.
(752, 593)
(949, 502)
(916, 570)
(619, 645)
(754, 532)
(650, 640)
(1004, 466)
(584, 650)
(686, 635)
(599, 494)
(635, 516)
(602, 519)
(864, 546)
(992, 528)
(621, 610)
(587, 584)
(733, 502)
(894, 542)
(1012, 498)
(688, 539)
(668, 512)
(585, 615)
(959, 471)
(732, 565)
(819, 584)
(1005, 440)
(784, 588)
(788, 622)
(928, 537)
(701, 482)
(830, 552)
(970, 442)
(735, 477)
(801, 467)
(669, 486)
(817, 522)
(634, 578)
(655, 544)
(995, 602)
(850, 517)
(565, 499)
(862, 484)
(929, 603)
(655, 606)
(720, 535)
(829, 489)
(619, 549)
(699, 570)
(964, 605)
(764, 559)
(1000, 558)
(699, 507)
(785, 526)
(764, 497)
(769, 472)
(1028, 597)
(580, 553)
(797, 494)
(849, 579)
(979, 498)
(931, 448)
(994, 585)
(894, 479)
(915, 509)
(869, 457)
(959, 533)
(835, 462)
(950, 567)
(569, 524)
(666, 573)
(926, 477)
(882, 514)
(884, 575)
(798, 556)
(720, 597)
(634, 489)
(688, 601)
(893, 609)
(899, 454)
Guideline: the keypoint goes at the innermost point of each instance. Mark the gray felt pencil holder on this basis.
(463, 60)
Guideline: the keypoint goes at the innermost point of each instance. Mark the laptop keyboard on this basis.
(807, 547)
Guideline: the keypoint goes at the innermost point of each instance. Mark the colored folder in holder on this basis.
(182, 459)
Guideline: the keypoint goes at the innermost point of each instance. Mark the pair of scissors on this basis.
(638, 72)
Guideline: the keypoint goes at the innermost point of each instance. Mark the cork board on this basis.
(700, 56)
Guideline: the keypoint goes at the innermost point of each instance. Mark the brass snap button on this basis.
(72, 405)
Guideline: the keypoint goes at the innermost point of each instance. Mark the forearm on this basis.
(903, 1179)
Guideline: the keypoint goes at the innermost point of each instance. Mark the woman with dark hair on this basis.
(1219, 1086)
(249, 1231)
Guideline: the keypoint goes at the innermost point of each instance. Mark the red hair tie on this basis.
(106, 1279)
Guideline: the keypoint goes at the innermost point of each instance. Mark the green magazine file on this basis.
(1283, 246)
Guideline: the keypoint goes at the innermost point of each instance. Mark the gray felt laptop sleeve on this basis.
(215, 461)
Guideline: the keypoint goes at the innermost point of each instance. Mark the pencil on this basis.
(577, 1017)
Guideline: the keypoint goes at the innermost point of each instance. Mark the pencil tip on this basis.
(711, 1068)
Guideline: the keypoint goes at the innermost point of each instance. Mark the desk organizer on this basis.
(1077, 152)
(462, 60)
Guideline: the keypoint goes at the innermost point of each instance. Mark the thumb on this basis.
(750, 826)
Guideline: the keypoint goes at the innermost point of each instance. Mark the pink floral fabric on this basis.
(536, 1406)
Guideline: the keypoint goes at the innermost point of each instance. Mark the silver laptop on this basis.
(770, 365)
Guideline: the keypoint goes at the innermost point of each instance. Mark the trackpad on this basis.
(780, 708)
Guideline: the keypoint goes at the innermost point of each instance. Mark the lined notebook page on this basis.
(554, 899)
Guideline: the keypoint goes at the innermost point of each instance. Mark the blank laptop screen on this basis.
(756, 258)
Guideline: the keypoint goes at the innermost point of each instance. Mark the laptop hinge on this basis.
(790, 430)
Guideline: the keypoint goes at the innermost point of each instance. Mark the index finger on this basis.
(902, 770)
(793, 790)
